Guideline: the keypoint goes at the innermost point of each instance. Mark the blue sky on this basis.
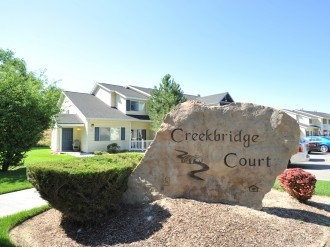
(274, 53)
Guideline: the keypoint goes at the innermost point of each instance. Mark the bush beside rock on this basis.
(299, 183)
(84, 190)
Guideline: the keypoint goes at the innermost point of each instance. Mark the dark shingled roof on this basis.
(190, 97)
(68, 119)
(215, 98)
(143, 89)
(126, 91)
(92, 107)
(148, 91)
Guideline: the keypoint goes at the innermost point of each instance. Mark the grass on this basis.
(8, 222)
(15, 179)
(44, 154)
(322, 187)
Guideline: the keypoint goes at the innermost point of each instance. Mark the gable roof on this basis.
(224, 98)
(137, 92)
(144, 90)
(92, 107)
(147, 91)
(127, 92)
(318, 114)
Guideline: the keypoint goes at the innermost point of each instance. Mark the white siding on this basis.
(102, 145)
(121, 103)
(104, 96)
(68, 107)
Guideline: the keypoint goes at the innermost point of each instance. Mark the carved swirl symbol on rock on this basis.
(192, 159)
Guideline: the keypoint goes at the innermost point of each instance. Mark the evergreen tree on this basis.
(162, 100)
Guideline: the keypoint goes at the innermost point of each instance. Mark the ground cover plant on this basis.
(84, 190)
(8, 222)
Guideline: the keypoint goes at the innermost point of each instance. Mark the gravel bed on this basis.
(283, 221)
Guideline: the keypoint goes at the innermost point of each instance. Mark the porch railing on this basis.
(139, 145)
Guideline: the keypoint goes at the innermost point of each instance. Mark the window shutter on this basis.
(97, 134)
(128, 105)
(122, 133)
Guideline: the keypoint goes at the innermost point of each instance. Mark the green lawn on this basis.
(15, 179)
(8, 222)
(44, 154)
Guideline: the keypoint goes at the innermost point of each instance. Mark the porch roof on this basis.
(72, 119)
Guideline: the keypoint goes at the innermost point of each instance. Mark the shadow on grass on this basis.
(14, 180)
(14, 176)
(130, 224)
(302, 215)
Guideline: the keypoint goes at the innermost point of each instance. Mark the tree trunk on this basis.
(7, 159)
(4, 167)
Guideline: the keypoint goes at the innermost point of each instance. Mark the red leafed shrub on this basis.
(298, 183)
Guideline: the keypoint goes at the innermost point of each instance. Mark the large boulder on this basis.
(229, 154)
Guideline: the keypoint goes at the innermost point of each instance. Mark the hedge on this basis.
(84, 190)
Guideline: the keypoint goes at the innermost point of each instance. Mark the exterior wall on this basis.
(102, 145)
(113, 99)
(104, 96)
(68, 107)
(83, 139)
(303, 120)
(121, 103)
(55, 141)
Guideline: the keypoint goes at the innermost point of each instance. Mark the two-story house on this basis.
(311, 122)
(109, 114)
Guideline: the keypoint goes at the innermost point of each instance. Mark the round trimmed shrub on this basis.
(84, 190)
(113, 148)
(299, 183)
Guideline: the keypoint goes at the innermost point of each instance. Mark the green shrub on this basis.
(299, 183)
(113, 148)
(84, 190)
(98, 152)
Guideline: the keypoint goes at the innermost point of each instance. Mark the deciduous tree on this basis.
(27, 104)
(162, 100)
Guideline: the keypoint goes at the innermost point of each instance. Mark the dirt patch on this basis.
(181, 222)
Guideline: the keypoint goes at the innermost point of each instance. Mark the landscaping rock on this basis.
(230, 154)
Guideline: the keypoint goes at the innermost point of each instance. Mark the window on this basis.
(328, 121)
(310, 121)
(109, 134)
(135, 105)
(324, 121)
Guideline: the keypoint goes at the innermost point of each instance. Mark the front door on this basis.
(67, 139)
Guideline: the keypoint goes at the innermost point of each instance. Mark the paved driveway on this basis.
(319, 165)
